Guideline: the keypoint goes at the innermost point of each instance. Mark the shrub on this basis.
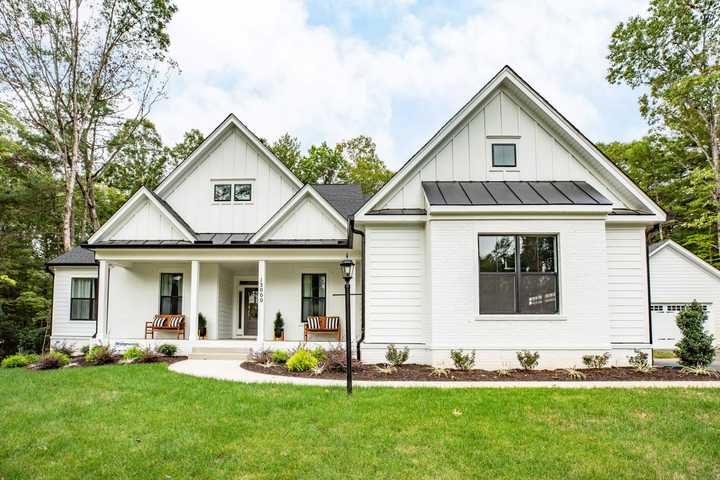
(699, 370)
(64, 348)
(132, 353)
(639, 361)
(336, 359)
(396, 357)
(463, 361)
(260, 356)
(148, 355)
(18, 361)
(596, 361)
(318, 353)
(695, 348)
(167, 349)
(302, 361)
(280, 357)
(52, 360)
(84, 350)
(575, 374)
(278, 324)
(100, 355)
(528, 360)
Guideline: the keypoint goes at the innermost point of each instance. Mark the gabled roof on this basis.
(144, 193)
(78, 256)
(231, 121)
(512, 193)
(345, 198)
(509, 78)
(284, 211)
(672, 245)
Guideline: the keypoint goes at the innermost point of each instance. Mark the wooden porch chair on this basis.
(166, 323)
(322, 324)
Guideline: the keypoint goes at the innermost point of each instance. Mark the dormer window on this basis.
(504, 155)
(232, 192)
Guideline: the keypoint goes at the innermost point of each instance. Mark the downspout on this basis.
(362, 286)
(649, 292)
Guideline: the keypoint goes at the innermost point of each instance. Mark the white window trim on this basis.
(232, 182)
(505, 140)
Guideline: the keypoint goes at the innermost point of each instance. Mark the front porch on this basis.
(238, 298)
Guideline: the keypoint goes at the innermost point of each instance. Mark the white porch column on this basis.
(102, 299)
(261, 303)
(194, 286)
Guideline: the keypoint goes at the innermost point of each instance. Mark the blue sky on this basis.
(395, 70)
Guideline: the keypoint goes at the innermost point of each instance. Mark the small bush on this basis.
(319, 353)
(148, 355)
(695, 347)
(260, 356)
(596, 361)
(463, 361)
(302, 361)
(396, 357)
(100, 355)
(575, 374)
(84, 350)
(699, 370)
(64, 348)
(52, 360)
(336, 359)
(639, 360)
(167, 349)
(439, 372)
(19, 360)
(132, 353)
(280, 357)
(528, 360)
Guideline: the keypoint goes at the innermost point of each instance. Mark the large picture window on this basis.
(313, 295)
(171, 285)
(518, 274)
(83, 299)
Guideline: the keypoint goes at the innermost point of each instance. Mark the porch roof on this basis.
(218, 240)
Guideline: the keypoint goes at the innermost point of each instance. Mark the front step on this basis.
(219, 353)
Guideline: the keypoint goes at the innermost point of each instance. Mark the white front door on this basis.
(245, 312)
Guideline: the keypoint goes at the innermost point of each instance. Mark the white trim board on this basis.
(687, 254)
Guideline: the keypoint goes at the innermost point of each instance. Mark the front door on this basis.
(249, 310)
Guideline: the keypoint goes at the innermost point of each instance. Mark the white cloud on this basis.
(278, 71)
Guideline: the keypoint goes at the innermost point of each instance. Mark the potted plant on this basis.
(202, 326)
(279, 327)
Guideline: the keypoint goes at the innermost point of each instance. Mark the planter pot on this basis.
(280, 336)
(202, 332)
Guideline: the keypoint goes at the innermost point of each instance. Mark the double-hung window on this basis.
(83, 299)
(313, 295)
(518, 274)
(171, 285)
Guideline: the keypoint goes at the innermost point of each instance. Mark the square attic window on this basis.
(504, 155)
(222, 192)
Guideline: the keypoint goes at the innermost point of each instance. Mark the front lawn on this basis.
(142, 421)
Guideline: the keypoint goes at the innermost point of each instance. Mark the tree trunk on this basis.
(68, 207)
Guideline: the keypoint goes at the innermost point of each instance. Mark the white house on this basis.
(677, 278)
(507, 230)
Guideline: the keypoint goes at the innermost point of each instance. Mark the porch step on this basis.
(219, 353)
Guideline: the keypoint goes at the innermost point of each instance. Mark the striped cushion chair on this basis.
(159, 321)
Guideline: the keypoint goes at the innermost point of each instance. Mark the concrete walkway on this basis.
(231, 370)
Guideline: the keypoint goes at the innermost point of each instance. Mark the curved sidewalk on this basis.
(231, 370)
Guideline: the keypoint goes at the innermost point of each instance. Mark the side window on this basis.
(171, 285)
(83, 299)
(313, 295)
(504, 155)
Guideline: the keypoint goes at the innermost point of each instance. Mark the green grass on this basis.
(663, 354)
(143, 421)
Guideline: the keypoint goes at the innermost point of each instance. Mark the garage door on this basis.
(665, 331)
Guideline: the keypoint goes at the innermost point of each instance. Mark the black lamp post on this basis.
(347, 266)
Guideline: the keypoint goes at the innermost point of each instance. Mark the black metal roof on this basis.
(513, 193)
(77, 256)
(654, 246)
(345, 198)
(398, 211)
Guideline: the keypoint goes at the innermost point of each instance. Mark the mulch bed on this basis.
(411, 372)
(79, 361)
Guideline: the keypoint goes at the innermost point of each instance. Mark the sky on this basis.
(396, 70)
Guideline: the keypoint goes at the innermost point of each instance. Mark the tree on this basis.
(191, 140)
(322, 164)
(287, 150)
(695, 348)
(362, 165)
(75, 69)
(674, 52)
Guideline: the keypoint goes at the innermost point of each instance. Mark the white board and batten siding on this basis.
(62, 326)
(309, 220)
(466, 155)
(234, 160)
(395, 284)
(146, 222)
(628, 285)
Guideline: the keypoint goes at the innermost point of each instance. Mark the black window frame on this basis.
(514, 149)
(303, 316)
(223, 184)
(517, 274)
(235, 185)
(171, 297)
(93, 300)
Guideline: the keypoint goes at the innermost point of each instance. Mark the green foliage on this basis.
(52, 360)
(63, 347)
(100, 355)
(362, 165)
(695, 348)
(596, 361)
(395, 356)
(278, 324)
(202, 321)
(302, 361)
(287, 149)
(132, 353)
(336, 359)
(321, 165)
(167, 349)
(319, 353)
(463, 361)
(528, 360)
(18, 360)
(280, 357)
(261, 356)
(639, 360)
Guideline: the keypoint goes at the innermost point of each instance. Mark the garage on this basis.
(677, 278)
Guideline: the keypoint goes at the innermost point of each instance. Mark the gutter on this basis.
(353, 230)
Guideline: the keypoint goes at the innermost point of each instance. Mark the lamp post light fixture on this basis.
(347, 267)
